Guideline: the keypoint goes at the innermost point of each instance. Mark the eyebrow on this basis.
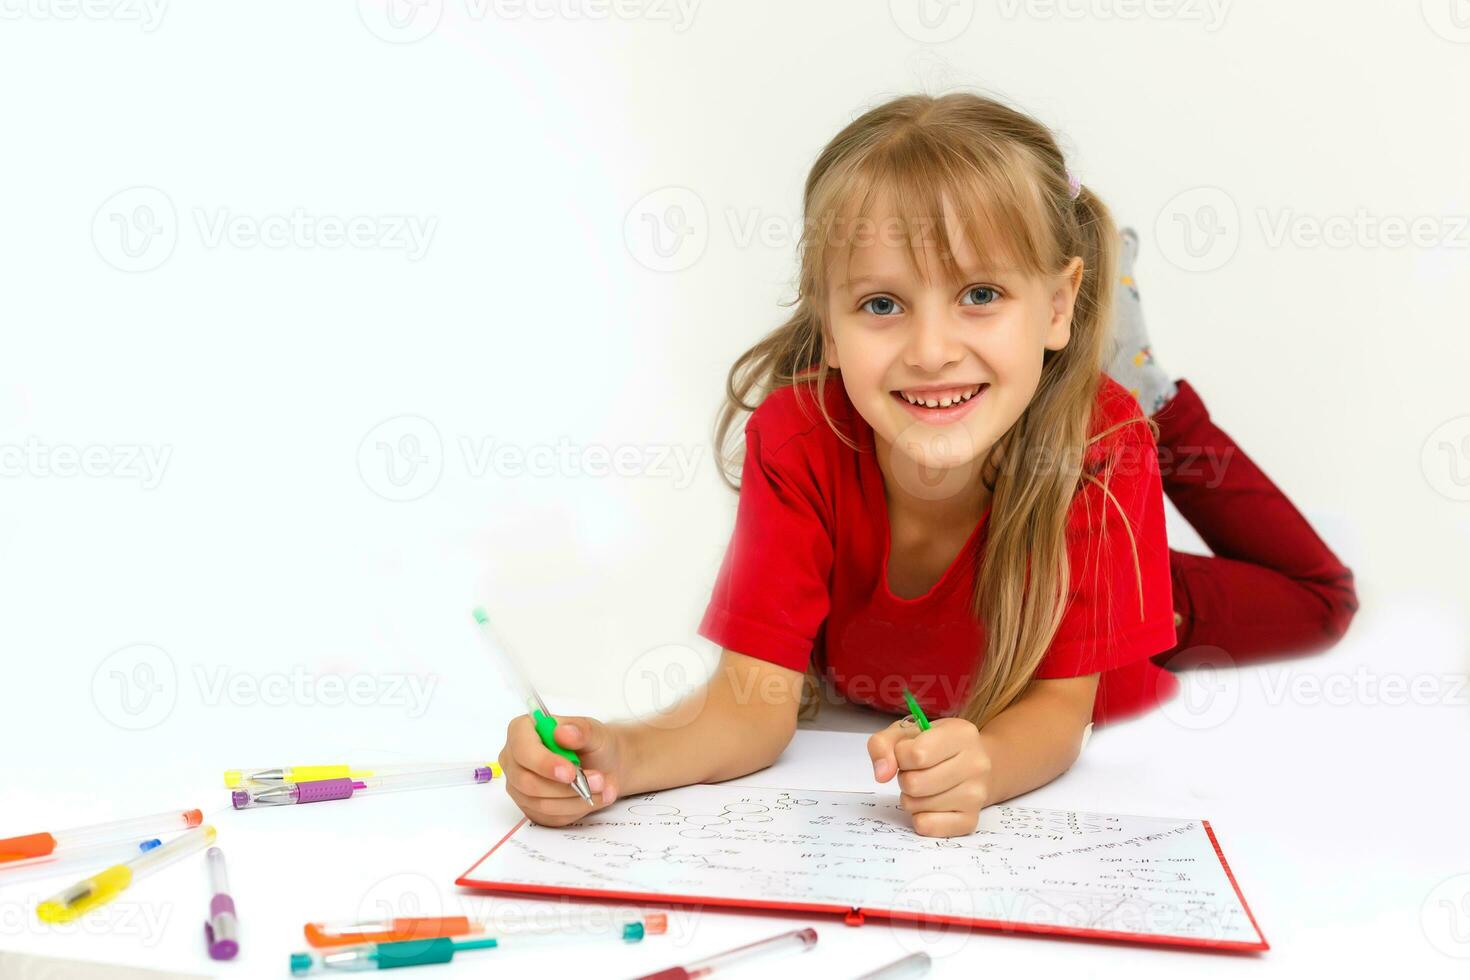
(970, 275)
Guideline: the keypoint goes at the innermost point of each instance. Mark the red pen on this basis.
(787, 942)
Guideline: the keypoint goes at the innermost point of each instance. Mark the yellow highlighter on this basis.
(104, 886)
(235, 778)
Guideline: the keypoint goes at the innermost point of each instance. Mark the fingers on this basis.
(881, 748)
(531, 785)
(580, 734)
(563, 806)
(524, 747)
(946, 824)
(968, 796)
(943, 774)
(955, 771)
(539, 781)
(945, 739)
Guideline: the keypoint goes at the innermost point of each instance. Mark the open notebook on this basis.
(1099, 875)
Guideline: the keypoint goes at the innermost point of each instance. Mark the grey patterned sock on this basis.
(1133, 365)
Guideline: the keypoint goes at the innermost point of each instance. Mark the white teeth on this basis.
(944, 402)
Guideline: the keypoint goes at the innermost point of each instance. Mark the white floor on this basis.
(1336, 786)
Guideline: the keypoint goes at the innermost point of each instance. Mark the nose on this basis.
(932, 344)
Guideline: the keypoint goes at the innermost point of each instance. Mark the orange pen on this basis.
(324, 935)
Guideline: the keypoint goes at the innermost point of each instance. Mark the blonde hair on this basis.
(1004, 175)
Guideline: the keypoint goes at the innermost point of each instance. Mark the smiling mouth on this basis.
(939, 398)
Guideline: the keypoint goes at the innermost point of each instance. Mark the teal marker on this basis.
(385, 956)
(425, 952)
(916, 711)
(515, 678)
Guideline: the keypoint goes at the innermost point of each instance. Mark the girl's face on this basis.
(941, 369)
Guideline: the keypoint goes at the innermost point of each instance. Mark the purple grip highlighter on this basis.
(221, 929)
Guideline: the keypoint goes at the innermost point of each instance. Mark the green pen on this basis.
(915, 710)
(424, 952)
(515, 678)
(385, 956)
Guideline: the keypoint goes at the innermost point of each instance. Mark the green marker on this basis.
(515, 678)
(424, 952)
(916, 711)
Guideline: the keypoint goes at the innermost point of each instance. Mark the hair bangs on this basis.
(927, 196)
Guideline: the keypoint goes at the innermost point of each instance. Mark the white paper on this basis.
(1141, 876)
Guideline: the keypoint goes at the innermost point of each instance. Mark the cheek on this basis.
(863, 358)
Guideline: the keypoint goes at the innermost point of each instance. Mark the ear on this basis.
(829, 347)
(1063, 301)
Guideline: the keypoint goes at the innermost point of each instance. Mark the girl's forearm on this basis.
(738, 723)
(1038, 738)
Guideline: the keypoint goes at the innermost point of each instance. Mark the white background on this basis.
(302, 455)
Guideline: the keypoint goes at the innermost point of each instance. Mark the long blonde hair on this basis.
(1004, 174)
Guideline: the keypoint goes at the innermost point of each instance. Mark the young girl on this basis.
(942, 491)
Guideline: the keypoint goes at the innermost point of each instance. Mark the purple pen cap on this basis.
(221, 928)
(222, 942)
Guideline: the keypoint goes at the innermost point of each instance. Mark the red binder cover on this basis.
(858, 915)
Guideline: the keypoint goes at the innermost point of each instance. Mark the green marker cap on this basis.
(916, 711)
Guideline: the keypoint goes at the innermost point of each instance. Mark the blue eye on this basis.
(886, 304)
(990, 295)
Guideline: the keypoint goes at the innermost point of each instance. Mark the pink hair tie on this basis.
(1074, 185)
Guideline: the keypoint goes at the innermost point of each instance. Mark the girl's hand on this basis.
(943, 774)
(540, 781)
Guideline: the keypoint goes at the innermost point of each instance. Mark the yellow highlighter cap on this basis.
(308, 774)
(86, 895)
(234, 778)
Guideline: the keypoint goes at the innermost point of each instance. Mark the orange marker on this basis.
(138, 828)
(323, 935)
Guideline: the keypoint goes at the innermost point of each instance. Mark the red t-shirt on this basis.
(806, 571)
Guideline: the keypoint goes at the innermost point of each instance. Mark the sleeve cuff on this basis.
(754, 639)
